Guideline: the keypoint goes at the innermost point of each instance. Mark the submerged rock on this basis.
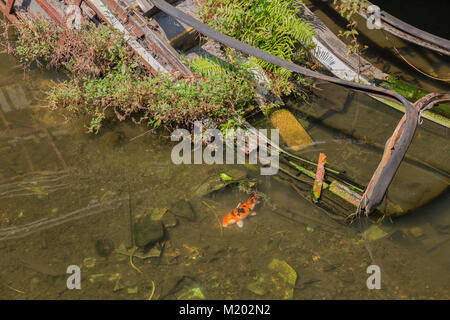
(284, 270)
(112, 139)
(257, 287)
(158, 213)
(183, 209)
(147, 231)
(171, 285)
(217, 182)
(374, 233)
(277, 282)
(139, 252)
(104, 247)
(169, 220)
(192, 294)
(291, 130)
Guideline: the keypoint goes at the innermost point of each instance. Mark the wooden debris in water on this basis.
(345, 193)
(320, 173)
(291, 130)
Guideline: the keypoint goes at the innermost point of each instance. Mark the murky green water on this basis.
(381, 52)
(70, 198)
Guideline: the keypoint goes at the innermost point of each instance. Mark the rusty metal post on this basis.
(7, 7)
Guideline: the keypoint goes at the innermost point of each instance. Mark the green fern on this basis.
(271, 25)
(234, 76)
(210, 68)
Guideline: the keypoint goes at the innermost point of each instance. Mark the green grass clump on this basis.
(106, 80)
(151, 100)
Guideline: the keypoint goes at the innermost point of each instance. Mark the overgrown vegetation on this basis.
(153, 100)
(347, 9)
(107, 81)
(90, 51)
(270, 25)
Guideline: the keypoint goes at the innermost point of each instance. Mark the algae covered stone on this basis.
(158, 213)
(192, 294)
(216, 182)
(276, 282)
(225, 177)
(147, 231)
(283, 287)
(169, 220)
(183, 209)
(374, 233)
(284, 270)
(291, 130)
(258, 286)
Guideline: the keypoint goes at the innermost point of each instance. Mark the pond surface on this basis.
(381, 52)
(72, 198)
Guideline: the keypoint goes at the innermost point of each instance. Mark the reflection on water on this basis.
(381, 44)
(70, 198)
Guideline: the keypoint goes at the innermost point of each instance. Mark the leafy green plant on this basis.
(106, 80)
(90, 51)
(233, 75)
(151, 100)
(36, 41)
(271, 25)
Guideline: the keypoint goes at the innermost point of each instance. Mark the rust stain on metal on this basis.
(7, 8)
(51, 11)
(124, 18)
(137, 25)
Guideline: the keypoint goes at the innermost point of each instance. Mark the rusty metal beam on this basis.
(52, 12)
(7, 8)
(137, 26)
(124, 18)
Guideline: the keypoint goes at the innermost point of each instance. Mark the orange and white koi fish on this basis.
(241, 212)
